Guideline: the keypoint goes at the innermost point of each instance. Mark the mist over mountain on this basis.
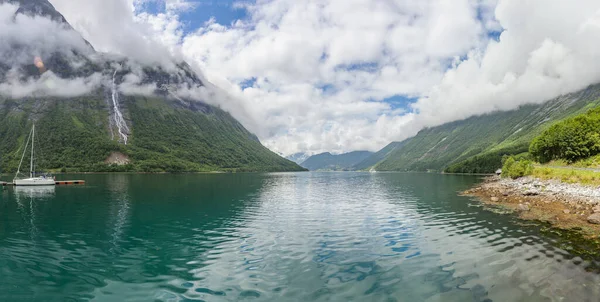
(90, 105)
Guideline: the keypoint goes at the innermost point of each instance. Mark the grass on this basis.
(590, 162)
(567, 175)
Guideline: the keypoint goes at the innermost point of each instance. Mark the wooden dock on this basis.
(69, 182)
(58, 183)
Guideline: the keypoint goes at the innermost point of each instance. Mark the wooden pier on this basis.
(69, 182)
(58, 183)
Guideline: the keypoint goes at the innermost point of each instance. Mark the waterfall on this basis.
(117, 115)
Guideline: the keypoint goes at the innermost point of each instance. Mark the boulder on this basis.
(523, 208)
(495, 199)
(594, 218)
(567, 211)
(596, 209)
(532, 192)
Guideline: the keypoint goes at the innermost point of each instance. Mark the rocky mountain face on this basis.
(41, 8)
(298, 157)
(89, 106)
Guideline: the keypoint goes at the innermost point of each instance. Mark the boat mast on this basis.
(32, 145)
(23, 156)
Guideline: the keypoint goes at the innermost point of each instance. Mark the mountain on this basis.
(127, 116)
(41, 8)
(298, 157)
(328, 161)
(380, 155)
(477, 144)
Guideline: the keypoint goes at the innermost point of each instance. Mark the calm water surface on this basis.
(275, 237)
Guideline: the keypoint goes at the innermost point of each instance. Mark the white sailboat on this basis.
(32, 180)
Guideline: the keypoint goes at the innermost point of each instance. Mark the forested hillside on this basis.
(74, 135)
(477, 144)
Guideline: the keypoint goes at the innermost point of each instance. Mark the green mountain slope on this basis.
(328, 161)
(378, 156)
(74, 135)
(476, 145)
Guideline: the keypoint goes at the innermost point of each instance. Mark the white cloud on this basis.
(362, 51)
(546, 50)
(48, 85)
(25, 40)
(132, 85)
(22, 37)
(407, 48)
(310, 75)
(114, 26)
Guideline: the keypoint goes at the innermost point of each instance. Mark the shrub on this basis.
(515, 169)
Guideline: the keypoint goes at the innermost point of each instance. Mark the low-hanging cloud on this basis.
(48, 85)
(546, 50)
(25, 37)
(26, 40)
(113, 26)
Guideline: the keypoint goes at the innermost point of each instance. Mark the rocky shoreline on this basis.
(563, 205)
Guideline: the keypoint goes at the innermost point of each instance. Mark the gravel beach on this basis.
(564, 205)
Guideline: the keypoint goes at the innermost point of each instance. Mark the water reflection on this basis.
(381, 237)
(276, 237)
(118, 185)
(34, 192)
(27, 199)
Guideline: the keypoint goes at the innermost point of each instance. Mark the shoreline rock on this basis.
(565, 206)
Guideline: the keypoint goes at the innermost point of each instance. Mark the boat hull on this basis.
(34, 182)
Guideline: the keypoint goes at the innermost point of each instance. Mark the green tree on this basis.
(571, 139)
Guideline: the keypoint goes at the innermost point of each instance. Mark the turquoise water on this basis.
(275, 237)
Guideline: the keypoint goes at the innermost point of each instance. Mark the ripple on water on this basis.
(280, 237)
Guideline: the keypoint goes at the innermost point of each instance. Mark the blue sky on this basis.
(223, 11)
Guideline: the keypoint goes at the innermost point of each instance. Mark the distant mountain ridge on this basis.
(298, 157)
(477, 144)
(330, 162)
